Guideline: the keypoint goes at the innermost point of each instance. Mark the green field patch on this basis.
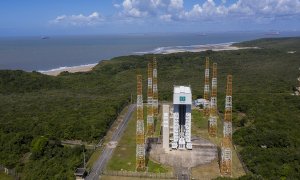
(123, 158)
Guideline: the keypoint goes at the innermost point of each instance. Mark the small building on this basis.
(80, 173)
(182, 104)
(199, 102)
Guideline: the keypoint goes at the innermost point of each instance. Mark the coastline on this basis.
(71, 69)
(160, 50)
(195, 48)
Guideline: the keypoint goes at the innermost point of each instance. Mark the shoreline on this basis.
(160, 50)
(71, 69)
(195, 48)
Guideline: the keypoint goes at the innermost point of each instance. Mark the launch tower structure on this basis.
(227, 131)
(150, 119)
(226, 146)
(213, 114)
(226, 157)
(182, 104)
(140, 135)
(155, 88)
(206, 88)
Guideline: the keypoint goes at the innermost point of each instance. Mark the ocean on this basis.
(42, 54)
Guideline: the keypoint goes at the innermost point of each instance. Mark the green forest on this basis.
(38, 111)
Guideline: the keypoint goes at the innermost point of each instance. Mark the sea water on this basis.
(40, 54)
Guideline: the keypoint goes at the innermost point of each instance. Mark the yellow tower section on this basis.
(206, 88)
(150, 119)
(227, 131)
(140, 135)
(226, 146)
(226, 157)
(155, 88)
(213, 114)
(298, 88)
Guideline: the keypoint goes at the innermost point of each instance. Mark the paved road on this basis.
(100, 164)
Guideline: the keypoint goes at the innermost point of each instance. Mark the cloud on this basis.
(79, 20)
(259, 11)
(208, 10)
(171, 10)
(117, 5)
(265, 7)
(166, 17)
(243, 9)
(176, 4)
(139, 8)
(149, 8)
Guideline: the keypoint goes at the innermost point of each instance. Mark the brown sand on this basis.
(74, 69)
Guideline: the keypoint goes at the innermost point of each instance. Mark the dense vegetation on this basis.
(37, 111)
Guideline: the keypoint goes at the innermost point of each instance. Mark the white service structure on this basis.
(166, 117)
(182, 104)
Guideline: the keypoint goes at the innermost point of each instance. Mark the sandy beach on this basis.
(195, 48)
(82, 68)
(161, 50)
(213, 48)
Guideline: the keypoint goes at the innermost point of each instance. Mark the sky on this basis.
(71, 17)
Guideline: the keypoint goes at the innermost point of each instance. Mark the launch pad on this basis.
(179, 149)
(203, 152)
(182, 105)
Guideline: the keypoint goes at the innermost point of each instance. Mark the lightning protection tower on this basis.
(226, 157)
(155, 89)
(227, 131)
(150, 119)
(140, 135)
(226, 146)
(206, 88)
(213, 114)
(298, 88)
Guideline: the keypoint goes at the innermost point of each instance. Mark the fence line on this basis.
(140, 174)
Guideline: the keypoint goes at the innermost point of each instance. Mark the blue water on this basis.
(35, 53)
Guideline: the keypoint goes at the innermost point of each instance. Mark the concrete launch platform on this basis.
(203, 152)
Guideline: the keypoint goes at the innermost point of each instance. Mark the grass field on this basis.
(209, 171)
(124, 155)
(3, 176)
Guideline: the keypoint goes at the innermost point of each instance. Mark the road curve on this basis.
(101, 163)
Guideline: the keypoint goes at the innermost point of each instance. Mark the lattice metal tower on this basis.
(213, 114)
(226, 146)
(227, 131)
(150, 119)
(155, 89)
(298, 88)
(140, 135)
(226, 157)
(206, 88)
